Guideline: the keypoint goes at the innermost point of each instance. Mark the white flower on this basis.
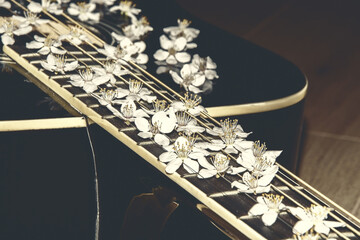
(30, 19)
(185, 123)
(125, 51)
(137, 28)
(58, 64)
(110, 69)
(226, 126)
(189, 78)
(7, 29)
(45, 45)
(229, 141)
(76, 36)
(269, 206)
(107, 97)
(131, 50)
(126, 8)
(160, 124)
(135, 92)
(189, 103)
(182, 30)
(314, 216)
(103, 2)
(87, 80)
(173, 51)
(129, 113)
(253, 184)
(84, 11)
(5, 4)
(47, 5)
(182, 153)
(219, 166)
(259, 161)
(205, 66)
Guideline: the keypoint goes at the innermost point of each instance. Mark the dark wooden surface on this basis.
(322, 38)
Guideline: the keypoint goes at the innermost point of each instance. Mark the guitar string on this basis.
(175, 92)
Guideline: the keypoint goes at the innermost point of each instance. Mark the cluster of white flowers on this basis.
(189, 72)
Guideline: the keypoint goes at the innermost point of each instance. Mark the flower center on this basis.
(83, 7)
(159, 105)
(31, 17)
(128, 111)
(188, 80)
(108, 95)
(184, 23)
(75, 32)
(48, 41)
(87, 74)
(60, 61)
(182, 118)
(135, 86)
(172, 51)
(182, 147)
(109, 66)
(318, 213)
(143, 21)
(155, 129)
(259, 150)
(202, 65)
(119, 52)
(261, 164)
(221, 162)
(9, 27)
(252, 182)
(228, 125)
(273, 201)
(228, 138)
(126, 6)
(191, 100)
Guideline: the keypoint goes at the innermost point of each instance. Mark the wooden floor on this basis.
(323, 39)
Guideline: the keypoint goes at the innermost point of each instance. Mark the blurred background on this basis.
(322, 38)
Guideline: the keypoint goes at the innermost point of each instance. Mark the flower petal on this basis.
(269, 217)
(191, 166)
(302, 227)
(167, 157)
(258, 209)
(207, 173)
(161, 140)
(183, 57)
(142, 124)
(173, 165)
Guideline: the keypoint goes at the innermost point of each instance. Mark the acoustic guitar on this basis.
(227, 181)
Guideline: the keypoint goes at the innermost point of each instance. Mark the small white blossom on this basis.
(190, 103)
(172, 51)
(5, 4)
(129, 113)
(135, 92)
(226, 126)
(45, 45)
(185, 123)
(160, 125)
(58, 64)
(205, 66)
(30, 19)
(86, 79)
(268, 206)
(220, 166)
(182, 152)
(47, 5)
(107, 97)
(131, 50)
(259, 161)
(189, 78)
(76, 36)
(314, 216)
(8, 30)
(251, 184)
(126, 8)
(137, 28)
(182, 30)
(110, 69)
(84, 11)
